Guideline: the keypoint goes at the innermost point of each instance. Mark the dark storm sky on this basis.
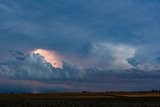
(104, 44)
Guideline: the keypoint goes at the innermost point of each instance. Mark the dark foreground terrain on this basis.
(108, 99)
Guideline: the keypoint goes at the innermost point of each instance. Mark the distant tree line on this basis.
(155, 91)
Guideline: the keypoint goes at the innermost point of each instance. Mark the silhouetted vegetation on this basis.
(155, 90)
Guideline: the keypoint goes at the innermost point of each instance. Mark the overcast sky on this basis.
(103, 45)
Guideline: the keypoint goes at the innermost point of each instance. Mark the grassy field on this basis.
(108, 99)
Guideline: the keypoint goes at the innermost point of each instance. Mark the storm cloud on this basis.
(109, 43)
(33, 71)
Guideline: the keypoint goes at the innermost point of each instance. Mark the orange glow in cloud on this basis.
(49, 56)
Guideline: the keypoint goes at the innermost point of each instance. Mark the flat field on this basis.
(96, 99)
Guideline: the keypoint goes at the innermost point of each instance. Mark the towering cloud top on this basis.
(49, 56)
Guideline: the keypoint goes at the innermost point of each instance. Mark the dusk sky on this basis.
(75, 45)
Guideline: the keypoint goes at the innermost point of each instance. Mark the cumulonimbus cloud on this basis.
(33, 67)
(108, 56)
